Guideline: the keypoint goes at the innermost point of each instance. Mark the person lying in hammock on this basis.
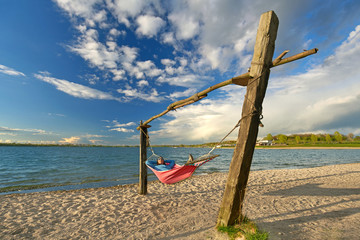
(161, 164)
(164, 165)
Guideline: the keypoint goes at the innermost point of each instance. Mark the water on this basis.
(57, 168)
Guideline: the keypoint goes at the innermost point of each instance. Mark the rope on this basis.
(148, 139)
(255, 112)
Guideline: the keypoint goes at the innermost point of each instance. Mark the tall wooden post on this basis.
(143, 157)
(231, 207)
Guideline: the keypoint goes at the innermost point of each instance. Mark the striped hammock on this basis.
(177, 172)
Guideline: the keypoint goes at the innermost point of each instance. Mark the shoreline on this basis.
(330, 148)
(309, 203)
(333, 146)
(96, 185)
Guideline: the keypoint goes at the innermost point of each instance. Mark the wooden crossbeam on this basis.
(241, 80)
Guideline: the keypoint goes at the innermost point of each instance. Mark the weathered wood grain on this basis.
(231, 206)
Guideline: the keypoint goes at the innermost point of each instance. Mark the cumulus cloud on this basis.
(185, 23)
(149, 25)
(70, 140)
(150, 95)
(88, 10)
(215, 37)
(325, 98)
(120, 127)
(10, 71)
(75, 89)
(103, 56)
(318, 98)
(206, 121)
(143, 83)
(82, 8)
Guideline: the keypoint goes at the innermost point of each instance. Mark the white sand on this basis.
(315, 203)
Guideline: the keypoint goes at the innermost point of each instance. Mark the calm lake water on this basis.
(56, 168)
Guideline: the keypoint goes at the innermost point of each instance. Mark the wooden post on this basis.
(143, 157)
(231, 207)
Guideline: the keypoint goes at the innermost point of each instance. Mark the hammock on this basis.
(173, 173)
(176, 173)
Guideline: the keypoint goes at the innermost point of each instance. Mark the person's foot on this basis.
(191, 159)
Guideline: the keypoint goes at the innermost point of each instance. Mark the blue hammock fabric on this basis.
(169, 164)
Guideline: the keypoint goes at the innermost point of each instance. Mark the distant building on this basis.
(264, 143)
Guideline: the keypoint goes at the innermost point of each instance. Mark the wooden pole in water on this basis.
(143, 157)
(231, 207)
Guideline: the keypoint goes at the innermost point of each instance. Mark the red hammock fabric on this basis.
(177, 173)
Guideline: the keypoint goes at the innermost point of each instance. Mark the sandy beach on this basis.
(313, 203)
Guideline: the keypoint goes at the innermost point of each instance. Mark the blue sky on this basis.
(87, 71)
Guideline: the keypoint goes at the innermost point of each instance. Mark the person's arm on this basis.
(170, 163)
(151, 163)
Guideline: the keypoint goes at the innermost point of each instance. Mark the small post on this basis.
(231, 207)
(143, 157)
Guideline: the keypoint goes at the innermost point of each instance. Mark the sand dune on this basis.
(315, 203)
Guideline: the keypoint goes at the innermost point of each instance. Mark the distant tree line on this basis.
(312, 138)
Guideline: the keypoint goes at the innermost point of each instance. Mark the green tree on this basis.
(314, 138)
(282, 138)
(338, 136)
(350, 137)
(328, 138)
(269, 137)
(297, 139)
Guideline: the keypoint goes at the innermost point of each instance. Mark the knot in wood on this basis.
(170, 107)
(195, 97)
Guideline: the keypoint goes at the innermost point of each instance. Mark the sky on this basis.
(88, 71)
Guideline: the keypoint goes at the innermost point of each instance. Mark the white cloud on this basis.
(143, 83)
(123, 9)
(186, 24)
(75, 89)
(7, 130)
(188, 80)
(168, 62)
(107, 57)
(10, 71)
(70, 140)
(168, 38)
(182, 94)
(56, 114)
(99, 55)
(220, 35)
(325, 98)
(208, 120)
(86, 9)
(83, 139)
(321, 98)
(149, 25)
(120, 127)
(150, 95)
(117, 124)
(82, 8)
(113, 33)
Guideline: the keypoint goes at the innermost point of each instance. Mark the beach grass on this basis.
(247, 229)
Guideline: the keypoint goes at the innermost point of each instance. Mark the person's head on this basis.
(160, 161)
